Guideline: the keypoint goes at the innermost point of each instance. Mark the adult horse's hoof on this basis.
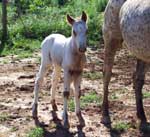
(145, 127)
(106, 121)
(34, 111)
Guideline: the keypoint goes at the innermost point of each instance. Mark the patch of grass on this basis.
(146, 95)
(4, 117)
(24, 48)
(5, 61)
(13, 129)
(121, 126)
(114, 96)
(36, 132)
(85, 100)
(71, 105)
(93, 75)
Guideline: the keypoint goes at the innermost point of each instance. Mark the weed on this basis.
(121, 126)
(114, 96)
(93, 75)
(71, 105)
(4, 117)
(36, 132)
(85, 100)
(13, 129)
(146, 95)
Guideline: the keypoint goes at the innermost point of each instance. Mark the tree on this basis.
(4, 22)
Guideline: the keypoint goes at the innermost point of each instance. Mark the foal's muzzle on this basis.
(82, 50)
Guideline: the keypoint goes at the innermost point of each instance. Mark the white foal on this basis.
(69, 54)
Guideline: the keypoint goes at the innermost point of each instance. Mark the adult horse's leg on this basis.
(111, 46)
(66, 92)
(77, 94)
(138, 82)
(55, 78)
(38, 83)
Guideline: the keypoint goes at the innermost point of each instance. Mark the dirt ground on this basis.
(16, 95)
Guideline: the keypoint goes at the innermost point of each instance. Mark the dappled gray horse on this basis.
(128, 22)
(69, 54)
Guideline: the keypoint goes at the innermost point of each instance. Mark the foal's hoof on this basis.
(106, 121)
(34, 111)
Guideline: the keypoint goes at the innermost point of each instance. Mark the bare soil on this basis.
(16, 95)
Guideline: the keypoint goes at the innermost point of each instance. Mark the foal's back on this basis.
(53, 48)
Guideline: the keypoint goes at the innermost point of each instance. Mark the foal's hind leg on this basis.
(138, 81)
(111, 46)
(55, 78)
(38, 83)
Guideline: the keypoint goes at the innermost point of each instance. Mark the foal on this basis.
(69, 54)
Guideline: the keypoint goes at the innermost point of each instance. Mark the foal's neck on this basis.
(74, 48)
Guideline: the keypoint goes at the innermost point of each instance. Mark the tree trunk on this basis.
(4, 22)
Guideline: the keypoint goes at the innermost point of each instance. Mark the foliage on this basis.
(87, 99)
(4, 117)
(146, 94)
(121, 126)
(38, 18)
(36, 132)
(93, 75)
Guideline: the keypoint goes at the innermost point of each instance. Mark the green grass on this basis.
(4, 117)
(13, 129)
(23, 48)
(93, 75)
(36, 132)
(85, 100)
(40, 18)
(146, 95)
(121, 126)
(113, 96)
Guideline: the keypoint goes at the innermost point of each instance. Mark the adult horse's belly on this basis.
(135, 27)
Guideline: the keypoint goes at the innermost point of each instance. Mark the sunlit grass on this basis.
(146, 94)
(93, 75)
(36, 132)
(4, 117)
(121, 126)
(86, 100)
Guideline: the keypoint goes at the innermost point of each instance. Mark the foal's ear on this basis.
(70, 19)
(84, 16)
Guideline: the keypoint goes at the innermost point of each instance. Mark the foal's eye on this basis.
(74, 33)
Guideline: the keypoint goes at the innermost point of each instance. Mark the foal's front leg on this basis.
(67, 81)
(77, 94)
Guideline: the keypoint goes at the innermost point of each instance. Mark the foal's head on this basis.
(79, 31)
